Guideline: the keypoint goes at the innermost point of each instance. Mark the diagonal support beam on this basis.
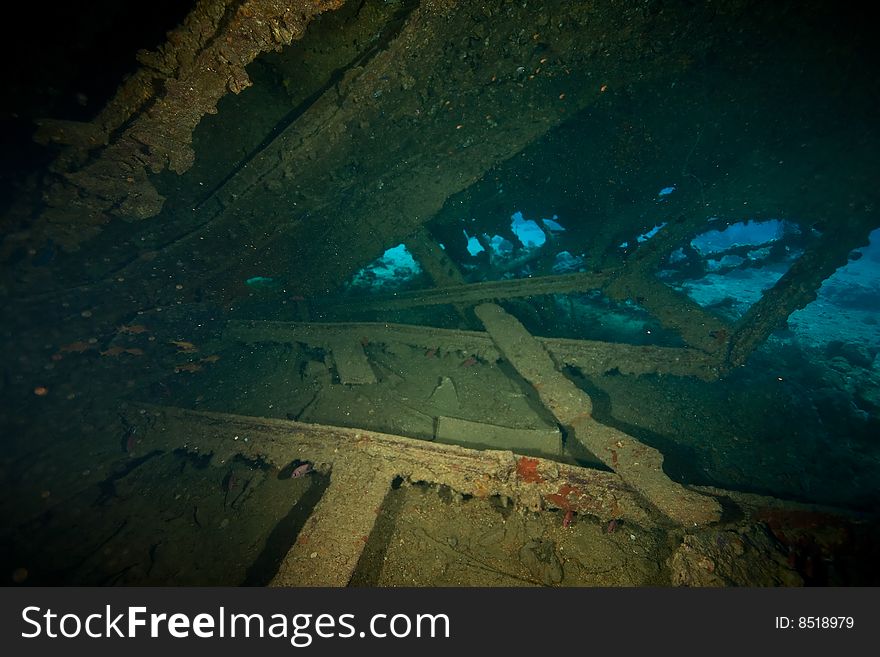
(697, 327)
(798, 287)
(638, 465)
(434, 260)
(473, 293)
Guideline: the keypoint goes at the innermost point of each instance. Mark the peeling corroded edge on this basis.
(203, 60)
(590, 356)
(531, 483)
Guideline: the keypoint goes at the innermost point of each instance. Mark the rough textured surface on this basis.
(746, 556)
(400, 121)
(436, 95)
(480, 435)
(327, 550)
(532, 483)
(351, 362)
(590, 356)
(637, 464)
(143, 132)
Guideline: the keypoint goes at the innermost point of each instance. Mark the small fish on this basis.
(469, 362)
(568, 519)
(213, 358)
(612, 526)
(132, 329)
(295, 469)
(184, 346)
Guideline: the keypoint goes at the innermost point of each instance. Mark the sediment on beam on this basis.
(674, 310)
(320, 556)
(323, 334)
(437, 263)
(472, 293)
(640, 466)
(797, 287)
(362, 466)
(591, 357)
(202, 61)
(481, 473)
(351, 362)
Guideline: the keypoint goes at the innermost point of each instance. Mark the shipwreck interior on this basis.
(423, 293)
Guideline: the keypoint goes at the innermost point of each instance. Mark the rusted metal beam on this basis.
(361, 465)
(532, 485)
(640, 466)
(697, 327)
(797, 287)
(590, 356)
(471, 293)
(436, 262)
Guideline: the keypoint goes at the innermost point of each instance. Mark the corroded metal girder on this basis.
(362, 465)
(797, 287)
(639, 465)
(590, 356)
(469, 293)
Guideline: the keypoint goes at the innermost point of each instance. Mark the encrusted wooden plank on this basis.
(320, 334)
(531, 483)
(639, 465)
(547, 441)
(472, 292)
(591, 356)
(351, 362)
(362, 466)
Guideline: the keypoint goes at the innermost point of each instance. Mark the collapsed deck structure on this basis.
(300, 139)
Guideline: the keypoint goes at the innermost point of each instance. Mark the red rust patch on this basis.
(527, 470)
(561, 497)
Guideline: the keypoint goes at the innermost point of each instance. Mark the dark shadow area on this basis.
(284, 534)
(366, 573)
